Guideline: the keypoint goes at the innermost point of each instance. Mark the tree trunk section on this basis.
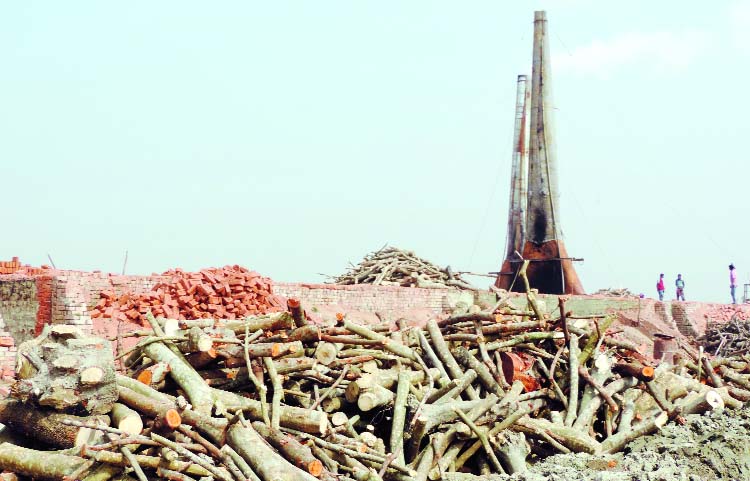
(46, 426)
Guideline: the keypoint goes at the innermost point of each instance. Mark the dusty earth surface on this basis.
(714, 446)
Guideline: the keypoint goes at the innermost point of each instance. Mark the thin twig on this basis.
(331, 389)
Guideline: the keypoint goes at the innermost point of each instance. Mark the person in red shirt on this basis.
(660, 287)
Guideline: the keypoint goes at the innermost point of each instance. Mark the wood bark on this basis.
(313, 422)
(295, 452)
(572, 438)
(37, 464)
(46, 426)
(199, 393)
(266, 462)
(443, 352)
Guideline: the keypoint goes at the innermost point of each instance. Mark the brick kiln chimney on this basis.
(518, 184)
(551, 270)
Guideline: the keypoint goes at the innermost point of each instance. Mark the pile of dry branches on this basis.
(727, 338)
(614, 292)
(395, 267)
(276, 398)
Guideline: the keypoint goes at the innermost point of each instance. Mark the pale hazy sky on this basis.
(294, 137)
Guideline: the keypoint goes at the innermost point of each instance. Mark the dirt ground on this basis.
(711, 447)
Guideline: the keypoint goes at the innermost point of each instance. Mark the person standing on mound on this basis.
(679, 283)
(660, 287)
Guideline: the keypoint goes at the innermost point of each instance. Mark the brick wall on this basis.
(383, 302)
(684, 317)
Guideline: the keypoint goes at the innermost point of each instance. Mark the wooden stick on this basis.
(483, 439)
(217, 473)
(331, 389)
(443, 352)
(132, 461)
(259, 386)
(278, 392)
(573, 358)
(388, 344)
(584, 373)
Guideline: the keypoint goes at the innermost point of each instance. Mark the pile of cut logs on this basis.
(395, 267)
(613, 292)
(229, 292)
(727, 338)
(274, 397)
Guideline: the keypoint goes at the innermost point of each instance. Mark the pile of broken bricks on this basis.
(230, 292)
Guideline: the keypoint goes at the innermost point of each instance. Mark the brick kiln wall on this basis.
(389, 301)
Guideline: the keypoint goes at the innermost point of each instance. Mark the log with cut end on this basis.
(154, 375)
(266, 462)
(46, 426)
(326, 352)
(298, 314)
(295, 452)
(202, 359)
(235, 356)
(198, 341)
(170, 326)
(166, 411)
(339, 418)
(634, 369)
(126, 419)
(334, 402)
(91, 376)
(373, 397)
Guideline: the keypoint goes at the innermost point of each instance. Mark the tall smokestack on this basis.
(551, 270)
(518, 181)
(543, 201)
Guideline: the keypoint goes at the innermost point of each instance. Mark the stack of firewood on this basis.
(727, 338)
(614, 292)
(395, 267)
(277, 398)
